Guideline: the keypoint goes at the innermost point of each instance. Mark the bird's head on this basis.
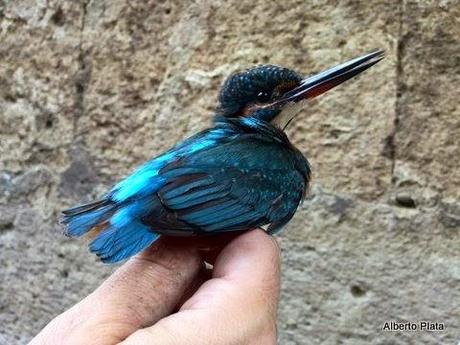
(276, 94)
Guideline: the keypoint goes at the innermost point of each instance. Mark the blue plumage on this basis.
(118, 243)
(81, 219)
(204, 185)
(240, 174)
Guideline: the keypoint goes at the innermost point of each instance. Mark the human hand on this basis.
(164, 296)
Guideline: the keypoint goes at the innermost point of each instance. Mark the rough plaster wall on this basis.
(89, 89)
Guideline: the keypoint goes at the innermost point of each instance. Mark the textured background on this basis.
(89, 89)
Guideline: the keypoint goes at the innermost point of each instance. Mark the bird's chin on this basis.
(289, 112)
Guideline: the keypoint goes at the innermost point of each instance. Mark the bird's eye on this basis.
(263, 96)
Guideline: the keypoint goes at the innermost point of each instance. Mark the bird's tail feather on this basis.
(85, 208)
(115, 243)
(81, 219)
(116, 228)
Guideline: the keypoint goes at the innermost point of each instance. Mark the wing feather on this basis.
(229, 190)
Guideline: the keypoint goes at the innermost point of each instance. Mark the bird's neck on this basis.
(253, 125)
(276, 117)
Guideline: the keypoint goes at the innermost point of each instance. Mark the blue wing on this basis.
(146, 180)
(116, 219)
(233, 186)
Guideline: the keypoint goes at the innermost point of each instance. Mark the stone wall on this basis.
(89, 89)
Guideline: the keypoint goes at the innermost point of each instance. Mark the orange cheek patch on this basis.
(249, 109)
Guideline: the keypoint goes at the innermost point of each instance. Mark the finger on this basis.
(237, 306)
(139, 293)
(204, 275)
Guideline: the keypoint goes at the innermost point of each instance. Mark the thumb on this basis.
(237, 306)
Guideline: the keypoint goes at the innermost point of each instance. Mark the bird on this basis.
(240, 173)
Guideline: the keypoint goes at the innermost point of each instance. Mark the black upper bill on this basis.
(324, 81)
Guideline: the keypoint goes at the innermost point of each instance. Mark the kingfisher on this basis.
(239, 174)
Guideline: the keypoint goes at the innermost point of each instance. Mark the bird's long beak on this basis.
(320, 83)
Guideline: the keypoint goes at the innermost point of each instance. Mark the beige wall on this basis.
(89, 90)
